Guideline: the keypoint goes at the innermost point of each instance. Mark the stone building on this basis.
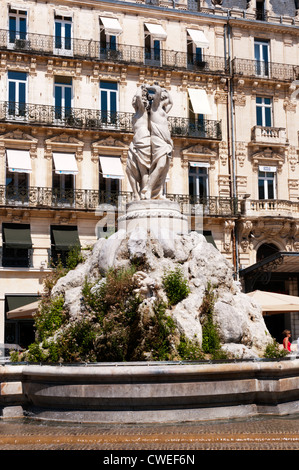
(68, 73)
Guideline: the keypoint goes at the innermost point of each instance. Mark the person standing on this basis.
(286, 341)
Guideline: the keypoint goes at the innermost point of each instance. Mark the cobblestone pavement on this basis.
(251, 434)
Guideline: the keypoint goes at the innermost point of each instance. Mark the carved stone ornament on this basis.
(18, 139)
(267, 157)
(200, 153)
(109, 146)
(65, 143)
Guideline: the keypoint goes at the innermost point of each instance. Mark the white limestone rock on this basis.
(239, 320)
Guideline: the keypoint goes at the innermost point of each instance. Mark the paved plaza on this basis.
(275, 433)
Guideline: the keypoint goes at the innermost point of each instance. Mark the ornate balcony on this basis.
(269, 135)
(270, 207)
(90, 119)
(127, 54)
(89, 199)
(265, 70)
(205, 129)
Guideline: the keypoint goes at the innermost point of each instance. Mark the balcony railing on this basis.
(202, 129)
(265, 70)
(269, 135)
(270, 207)
(90, 119)
(128, 54)
(38, 114)
(89, 199)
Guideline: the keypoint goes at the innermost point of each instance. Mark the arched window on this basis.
(265, 250)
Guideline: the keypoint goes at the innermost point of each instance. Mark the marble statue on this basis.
(151, 149)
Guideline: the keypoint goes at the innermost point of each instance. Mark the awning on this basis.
(111, 167)
(65, 238)
(156, 31)
(273, 302)
(21, 306)
(24, 312)
(198, 38)
(111, 25)
(199, 101)
(17, 236)
(18, 161)
(65, 163)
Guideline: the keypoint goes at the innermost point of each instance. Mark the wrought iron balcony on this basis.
(89, 49)
(266, 70)
(89, 119)
(203, 129)
(211, 205)
(89, 199)
(45, 115)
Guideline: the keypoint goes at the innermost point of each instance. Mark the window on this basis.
(110, 176)
(260, 10)
(63, 35)
(196, 42)
(18, 167)
(198, 180)
(63, 181)
(63, 97)
(17, 82)
(17, 27)
(108, 101)
(261, 55)
(153, 35)
(267, 182)
(194, 54)
(109, 30)
(19, 330)
(64, 238)
(263, 111)
(17, 245)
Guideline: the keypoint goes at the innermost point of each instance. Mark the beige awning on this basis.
(273, 302)
(24, 312)
(198, 38)
(111, 25)
(18, 161)
(65, 163)
(156, 31)
(199, 101)
(111, 167)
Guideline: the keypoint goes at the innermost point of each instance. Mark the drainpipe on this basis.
(231, 132)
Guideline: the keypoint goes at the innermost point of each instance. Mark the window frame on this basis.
(60, 48)
(16, 34)
(264, 106)
(16, 102)
(265, 187)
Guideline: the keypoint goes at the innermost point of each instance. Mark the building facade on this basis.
(68, 73)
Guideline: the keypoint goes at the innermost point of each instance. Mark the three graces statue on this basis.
(150, 151)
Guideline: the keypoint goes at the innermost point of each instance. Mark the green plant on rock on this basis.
(159, 334)
(210, 335)
(273, 351)
(189, 350)
(175, 285)
(50, 317)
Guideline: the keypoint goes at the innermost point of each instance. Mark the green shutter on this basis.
(17, 236)
(64, 238)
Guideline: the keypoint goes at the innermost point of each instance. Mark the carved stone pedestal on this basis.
(158, 216)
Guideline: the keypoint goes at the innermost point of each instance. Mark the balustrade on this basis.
(89, 199)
